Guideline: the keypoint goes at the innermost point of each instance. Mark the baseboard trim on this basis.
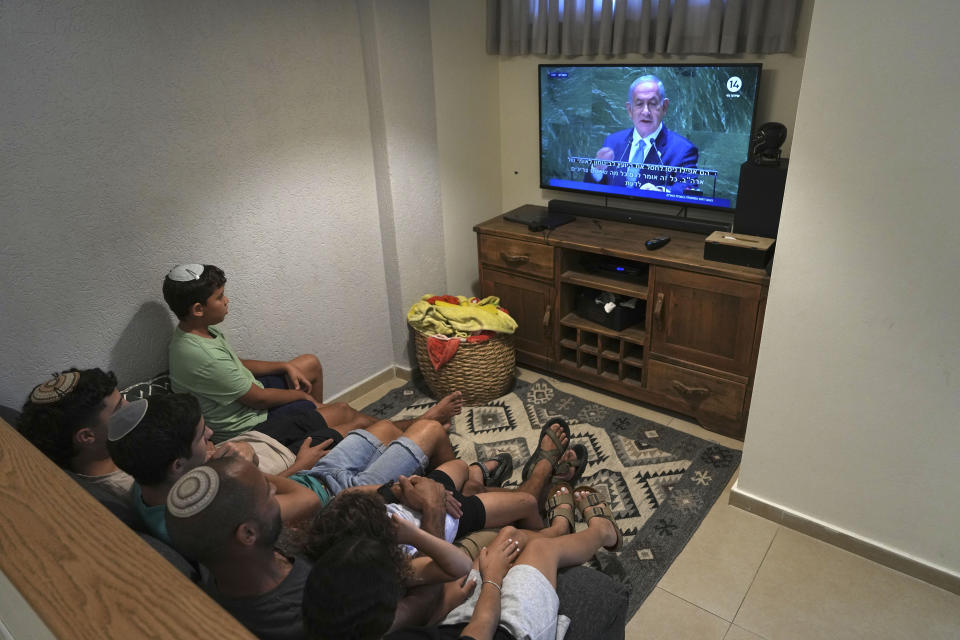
(869, 549)
(366, 386)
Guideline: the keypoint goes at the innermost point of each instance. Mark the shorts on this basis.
(280, 382)
(361, 459)
(529, 604)
(290, 428)
(474, 513)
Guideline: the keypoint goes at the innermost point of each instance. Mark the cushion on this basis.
(187, 568)
(11, 416)
(147, 388)
(595, 603)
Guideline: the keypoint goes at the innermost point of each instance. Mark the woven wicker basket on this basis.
(481, 370)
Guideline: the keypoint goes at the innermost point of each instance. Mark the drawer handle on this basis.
(546, 321)
(514, 259)
(690, 393)
(658, 311)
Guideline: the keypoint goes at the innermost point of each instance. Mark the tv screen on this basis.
(673, 134)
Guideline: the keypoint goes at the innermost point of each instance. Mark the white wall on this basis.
(138, 134)
(399, 69)
(854, 416)
(468, 133)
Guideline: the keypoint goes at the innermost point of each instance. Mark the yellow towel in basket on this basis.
(463, 319)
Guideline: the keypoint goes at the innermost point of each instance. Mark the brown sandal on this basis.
(553, 456)
(592, 506)
(556, 501)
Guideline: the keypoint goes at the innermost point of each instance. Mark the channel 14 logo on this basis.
(734, 84)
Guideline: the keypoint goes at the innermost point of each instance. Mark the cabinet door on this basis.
(531, 303)
(704, 319)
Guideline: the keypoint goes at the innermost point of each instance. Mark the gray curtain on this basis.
(616, 27)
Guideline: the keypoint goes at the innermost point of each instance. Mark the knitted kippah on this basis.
(126, 419)
(56, 388)
(193, 492)
(185, 272)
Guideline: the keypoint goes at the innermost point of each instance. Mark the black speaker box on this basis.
(760, 198)
(663, 221)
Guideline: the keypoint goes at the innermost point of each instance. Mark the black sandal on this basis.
(578, 464)
(500, 473)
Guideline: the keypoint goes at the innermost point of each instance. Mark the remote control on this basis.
(655, 243)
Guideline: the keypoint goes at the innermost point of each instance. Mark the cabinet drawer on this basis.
(517, 255)
(696, 393)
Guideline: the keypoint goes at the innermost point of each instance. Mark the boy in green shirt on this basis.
(282, 399)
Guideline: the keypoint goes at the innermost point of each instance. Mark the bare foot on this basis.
(443, 412)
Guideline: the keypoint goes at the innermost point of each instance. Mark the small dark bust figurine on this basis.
(765, 143)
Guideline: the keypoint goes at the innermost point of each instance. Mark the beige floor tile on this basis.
(807, 589)
(736, 633)
(664, 616)
(375, 394)
(689, 426)
(715, 569)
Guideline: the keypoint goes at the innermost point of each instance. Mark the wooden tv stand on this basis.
(695, 352)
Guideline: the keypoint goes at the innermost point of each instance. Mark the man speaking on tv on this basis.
(648, 142)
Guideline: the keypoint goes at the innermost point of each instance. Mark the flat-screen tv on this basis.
(672, 134)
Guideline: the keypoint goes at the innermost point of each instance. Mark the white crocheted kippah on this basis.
(193, 492)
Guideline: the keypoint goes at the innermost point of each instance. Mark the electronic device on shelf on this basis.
(612, 311)
(612, 266)
(537, 218)
(697, 124)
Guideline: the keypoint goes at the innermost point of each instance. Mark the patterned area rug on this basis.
(659, 482)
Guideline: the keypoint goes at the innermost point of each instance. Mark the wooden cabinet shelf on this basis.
(605, 283)
(693, 347)
(633, 334)
(633, 361)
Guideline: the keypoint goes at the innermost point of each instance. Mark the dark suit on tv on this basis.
(674, 151)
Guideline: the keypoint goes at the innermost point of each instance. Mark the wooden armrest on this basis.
(85, 573)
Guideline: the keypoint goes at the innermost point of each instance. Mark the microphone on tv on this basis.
(653, 145)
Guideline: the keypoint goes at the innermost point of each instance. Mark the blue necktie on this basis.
(638, 155)
(633, 171)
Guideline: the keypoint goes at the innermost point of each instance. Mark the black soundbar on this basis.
(635, 217)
